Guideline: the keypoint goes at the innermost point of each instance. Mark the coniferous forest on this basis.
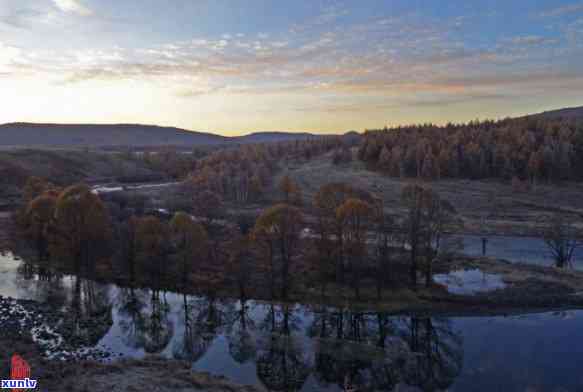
(529, 148)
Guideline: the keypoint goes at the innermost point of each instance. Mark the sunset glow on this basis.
(233, 67)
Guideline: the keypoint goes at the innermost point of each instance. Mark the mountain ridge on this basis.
(147, 135)
(567, 113)
(123, 134)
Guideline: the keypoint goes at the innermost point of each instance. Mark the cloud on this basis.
(532, 40)
(198, 91)
(406, 59)
(376, 105)
(331, 13)
(327, 16)
(534, 79)
(73, 6)
(22, 18)
(564, 10)
(574, 32)
(8, 53)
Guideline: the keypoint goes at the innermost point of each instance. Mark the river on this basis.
(531, 250)
(315, 348)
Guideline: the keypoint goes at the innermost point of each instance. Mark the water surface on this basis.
(315, 348)
(530, 250)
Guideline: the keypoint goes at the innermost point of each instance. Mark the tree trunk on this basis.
(413, 267)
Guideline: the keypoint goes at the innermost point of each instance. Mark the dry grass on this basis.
(510, 213)
(125, 375)
(150, 374)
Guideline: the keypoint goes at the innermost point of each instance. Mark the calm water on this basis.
(299, 347)
(530, 250)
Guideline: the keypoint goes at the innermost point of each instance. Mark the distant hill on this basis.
(266, 137)
(78, 135)
(567, 113)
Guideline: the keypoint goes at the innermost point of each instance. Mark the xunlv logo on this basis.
(20, 376)
(19, 384)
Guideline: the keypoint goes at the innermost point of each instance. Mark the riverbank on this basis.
(152, 373)
(226, 337)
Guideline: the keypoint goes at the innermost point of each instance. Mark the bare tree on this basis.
(438, 213)
(427, 215)
(560, 236)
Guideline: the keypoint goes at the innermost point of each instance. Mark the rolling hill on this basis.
(567, 113)
(137, 135)
(117, 135)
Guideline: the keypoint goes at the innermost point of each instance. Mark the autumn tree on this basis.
(127, 249)
(241, 262)
(208, 208)
(290, 191)
(436, 214)
(279, 228)
(82, 227)
(355, 215)
(152, 240)
(385, 235)
(34, 187)
(412, 196)
(40, 216)
(521, 147)
(535, 163)
(329, 229)
(190, 241)
(385, 159)
(255, 188)
(427, 216)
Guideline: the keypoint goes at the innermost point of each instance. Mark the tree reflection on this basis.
(193, 345)
(90, 310)
(282, 364)
(351, 349)
(158, 329)
(439, 354)
(204, 318)
(131, 307)
(373, 351)
(240, 334)
(40, 283)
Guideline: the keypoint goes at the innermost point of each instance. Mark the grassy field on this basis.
(488, 205)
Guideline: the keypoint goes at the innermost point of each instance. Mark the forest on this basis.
(229, 228)
(340, 239)
(529, 149)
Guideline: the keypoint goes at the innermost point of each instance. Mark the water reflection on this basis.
(286, 347)
(86, 304)
(240, 334)
(439, 354)
(130, 307)
(282, 361)
(530, 250)
(90, 311)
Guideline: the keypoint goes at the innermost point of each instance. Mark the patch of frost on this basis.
(468, 282)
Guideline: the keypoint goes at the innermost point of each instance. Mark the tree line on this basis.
(335, 242)
(242, 174)
(527, 149)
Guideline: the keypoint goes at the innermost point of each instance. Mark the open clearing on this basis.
(503, 210)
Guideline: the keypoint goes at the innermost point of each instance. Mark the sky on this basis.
(238, 66)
